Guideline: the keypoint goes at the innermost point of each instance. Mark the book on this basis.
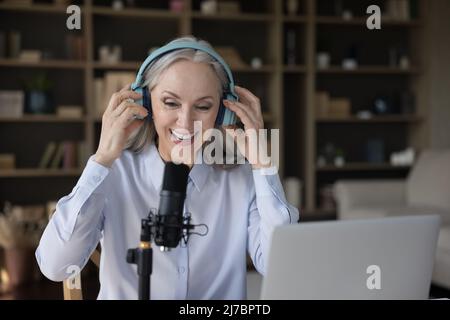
(114, 82)
(47, 155)
(11, 103)
(75, 112)
(58, 157)
(69, 155)
(99, 84)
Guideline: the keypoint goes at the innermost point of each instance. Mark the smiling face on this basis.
(186, 92)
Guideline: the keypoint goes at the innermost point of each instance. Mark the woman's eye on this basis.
(203, 108)
(171, 104)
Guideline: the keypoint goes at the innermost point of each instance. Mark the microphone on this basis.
(169, 225)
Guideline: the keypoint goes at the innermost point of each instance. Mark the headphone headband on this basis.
(182, 45)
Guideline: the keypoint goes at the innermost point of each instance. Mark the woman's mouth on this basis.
(183, 138)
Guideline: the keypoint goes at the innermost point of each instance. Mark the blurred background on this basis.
(363, 113)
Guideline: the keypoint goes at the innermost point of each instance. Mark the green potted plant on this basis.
(38, 95)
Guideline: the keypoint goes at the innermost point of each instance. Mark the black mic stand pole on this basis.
(142, 257)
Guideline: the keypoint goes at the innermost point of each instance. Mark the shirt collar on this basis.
(155, 169)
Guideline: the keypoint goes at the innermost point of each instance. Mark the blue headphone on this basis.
(224, 117)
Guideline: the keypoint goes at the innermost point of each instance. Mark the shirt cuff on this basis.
(93, 174)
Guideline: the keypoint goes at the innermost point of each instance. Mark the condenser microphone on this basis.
(169, 220)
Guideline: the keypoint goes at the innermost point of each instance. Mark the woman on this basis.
(122, 180)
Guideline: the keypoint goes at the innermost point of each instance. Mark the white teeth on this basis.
(180, 136)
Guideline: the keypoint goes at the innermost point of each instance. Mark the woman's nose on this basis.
(185, 118)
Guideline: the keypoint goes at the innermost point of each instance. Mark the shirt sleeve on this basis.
(268, 209)
(75, 228)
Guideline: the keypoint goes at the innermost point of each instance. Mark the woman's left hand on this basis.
(249, 141)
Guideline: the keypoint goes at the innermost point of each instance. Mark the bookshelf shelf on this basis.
(35, 172)
(136, 13)
(361, 166)
(36, 8)
(294, 69)
(361, 21)
(43, 119)
(124, 65)
(57, 64)
(375, 70)
(256, 17)
(374, 119)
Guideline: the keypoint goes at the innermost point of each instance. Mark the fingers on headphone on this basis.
(118, 97)
(132, 113)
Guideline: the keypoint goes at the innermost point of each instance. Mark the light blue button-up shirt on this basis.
(240, 206)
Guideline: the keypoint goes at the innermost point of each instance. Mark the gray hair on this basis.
(147, 133)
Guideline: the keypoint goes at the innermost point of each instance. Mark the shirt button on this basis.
(181, 270)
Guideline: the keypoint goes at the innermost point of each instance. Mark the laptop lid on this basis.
(385, 258)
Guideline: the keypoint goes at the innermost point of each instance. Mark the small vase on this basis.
(39, 102)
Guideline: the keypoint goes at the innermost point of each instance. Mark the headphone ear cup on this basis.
(220, 114)
(147, 102)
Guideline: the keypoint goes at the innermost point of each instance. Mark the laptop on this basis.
(383, 258)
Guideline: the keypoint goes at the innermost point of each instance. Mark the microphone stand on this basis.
(143, 255)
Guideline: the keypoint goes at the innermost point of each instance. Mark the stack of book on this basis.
(63, 155)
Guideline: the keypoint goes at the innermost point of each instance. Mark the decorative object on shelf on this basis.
(64, 111)
(7, 160)
(30, 55)
(209, 7)
(11, 103)
(231, 56)
(350, 62)
(327, 201)
(375, 151)
(291, 47)
(110, 54)
(38, 95)
(403, 158)
(117, 5)
(398, 9)
(20, 230)
(256, 63)
(404, 62)
(347, 15)
(339, 158)
(293, 187)
(14, 44)
(292, 7)
(407, 102)
(364, 114)
(329, 152)
(323, 60)
(382, 105)
(229, 7)
(339, 107)
(176, 5)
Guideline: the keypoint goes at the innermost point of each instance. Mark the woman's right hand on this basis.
(118, 122)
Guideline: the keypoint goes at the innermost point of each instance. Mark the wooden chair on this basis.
(72, 286)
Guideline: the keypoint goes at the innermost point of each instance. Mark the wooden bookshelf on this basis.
(39, 173)
(362, 167)
(287, 91)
